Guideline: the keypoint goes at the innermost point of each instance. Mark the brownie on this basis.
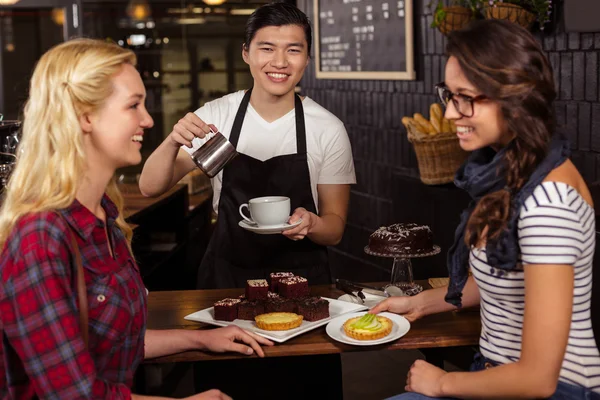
(313, 308)
(275, 277)
(248, 309)
(276, 303)
(257, 289)
(226, 309)
(294, 288)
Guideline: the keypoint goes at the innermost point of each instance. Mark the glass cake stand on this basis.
(402, 274)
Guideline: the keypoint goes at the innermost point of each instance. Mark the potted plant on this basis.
(523, 12)
(454, 17)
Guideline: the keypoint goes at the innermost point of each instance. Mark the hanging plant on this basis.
(523, 12)
(455, 16)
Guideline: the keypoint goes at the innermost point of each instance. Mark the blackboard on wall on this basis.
(364, 39)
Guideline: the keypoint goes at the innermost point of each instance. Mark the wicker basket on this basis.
(438, 156)
(456, 18)
(511, 12)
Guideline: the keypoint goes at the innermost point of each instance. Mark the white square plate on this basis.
(336, 308)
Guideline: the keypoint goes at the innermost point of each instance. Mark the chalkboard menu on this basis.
(364, 39)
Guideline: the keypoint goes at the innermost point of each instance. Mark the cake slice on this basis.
(257, 289)
(278, 321)
(274, 279)
(294, 287)
(313, 308)
(226, 309)
(276, 303)
(249, 309)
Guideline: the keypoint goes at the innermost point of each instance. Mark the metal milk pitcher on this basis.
(213, 155)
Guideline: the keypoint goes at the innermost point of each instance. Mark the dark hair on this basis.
(277, 14)
(506, 63)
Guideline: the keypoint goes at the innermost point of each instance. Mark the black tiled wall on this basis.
(372, 110)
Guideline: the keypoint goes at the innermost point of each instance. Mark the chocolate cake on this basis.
(294, 287)
(248, 309)
(257, 289)
(313, 308)
(276, 303)
(226, 309)
(402, 238)
(275, 277)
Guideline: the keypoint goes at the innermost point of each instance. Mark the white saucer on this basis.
(268, 230)
(335, 329)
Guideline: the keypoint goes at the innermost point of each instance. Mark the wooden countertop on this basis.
(167, 309)
(136, 203)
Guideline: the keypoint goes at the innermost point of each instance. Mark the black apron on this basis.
(234, 254)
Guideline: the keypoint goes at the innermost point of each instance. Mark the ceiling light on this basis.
(138, 10)
(214, 2)
(242, 11)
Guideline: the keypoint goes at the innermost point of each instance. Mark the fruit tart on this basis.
(368, 327)
(278, 321)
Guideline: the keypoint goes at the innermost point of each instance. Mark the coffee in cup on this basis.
(267, 211)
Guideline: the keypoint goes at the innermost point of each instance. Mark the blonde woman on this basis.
(85, 118)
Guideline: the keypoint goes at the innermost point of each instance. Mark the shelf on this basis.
(213, 71)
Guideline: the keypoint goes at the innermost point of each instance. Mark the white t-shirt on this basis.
(327, 144)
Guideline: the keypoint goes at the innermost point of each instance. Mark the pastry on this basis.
(368, 327)
(278, 321)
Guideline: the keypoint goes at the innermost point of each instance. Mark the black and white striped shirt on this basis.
(556, 226)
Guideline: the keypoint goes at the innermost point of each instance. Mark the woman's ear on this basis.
(85, 121)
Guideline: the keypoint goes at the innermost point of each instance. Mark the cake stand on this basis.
(402, 274)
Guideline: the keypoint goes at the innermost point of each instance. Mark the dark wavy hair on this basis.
(277, 14)
(506, 63)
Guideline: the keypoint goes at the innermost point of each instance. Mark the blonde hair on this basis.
(69, 80)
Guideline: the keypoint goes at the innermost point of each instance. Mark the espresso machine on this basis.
(9, 141)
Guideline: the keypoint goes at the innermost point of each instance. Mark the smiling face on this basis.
(277, 56)
(115, 133)
(487, 126)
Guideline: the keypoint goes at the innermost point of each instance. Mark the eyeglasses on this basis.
(462, 102)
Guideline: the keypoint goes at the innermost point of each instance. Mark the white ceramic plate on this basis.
(370, 299)
(268, 230)
(335, 329)
(336, 308)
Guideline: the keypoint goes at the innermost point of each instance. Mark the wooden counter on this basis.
(166, 310)
(171, 229)
(137, 205)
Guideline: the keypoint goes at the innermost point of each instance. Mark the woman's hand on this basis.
(213, 394)
(300, 231)
(403, 305)
(188, 128)
(425, 378)
(226, 339)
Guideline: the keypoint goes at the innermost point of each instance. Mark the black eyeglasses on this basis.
(462, 102)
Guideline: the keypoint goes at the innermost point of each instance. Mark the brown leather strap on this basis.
(81, 289)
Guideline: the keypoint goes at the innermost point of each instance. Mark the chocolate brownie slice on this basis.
(313, 308)
(226, 309)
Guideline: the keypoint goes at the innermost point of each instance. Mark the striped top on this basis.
(556, 226)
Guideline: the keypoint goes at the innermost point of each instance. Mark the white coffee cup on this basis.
(267, 211)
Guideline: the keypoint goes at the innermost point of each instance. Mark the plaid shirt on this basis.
(41, 349)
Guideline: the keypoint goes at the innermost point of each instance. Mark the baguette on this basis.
(446, 126)
(425, 124)
(436, 115)
(406, 121)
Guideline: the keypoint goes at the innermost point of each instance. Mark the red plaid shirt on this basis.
(41, 349)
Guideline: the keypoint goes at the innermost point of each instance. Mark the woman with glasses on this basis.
(528, 238)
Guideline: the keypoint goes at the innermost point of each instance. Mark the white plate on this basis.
(268, 230)
(370, 299)
(335, 329)
(336, 308)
